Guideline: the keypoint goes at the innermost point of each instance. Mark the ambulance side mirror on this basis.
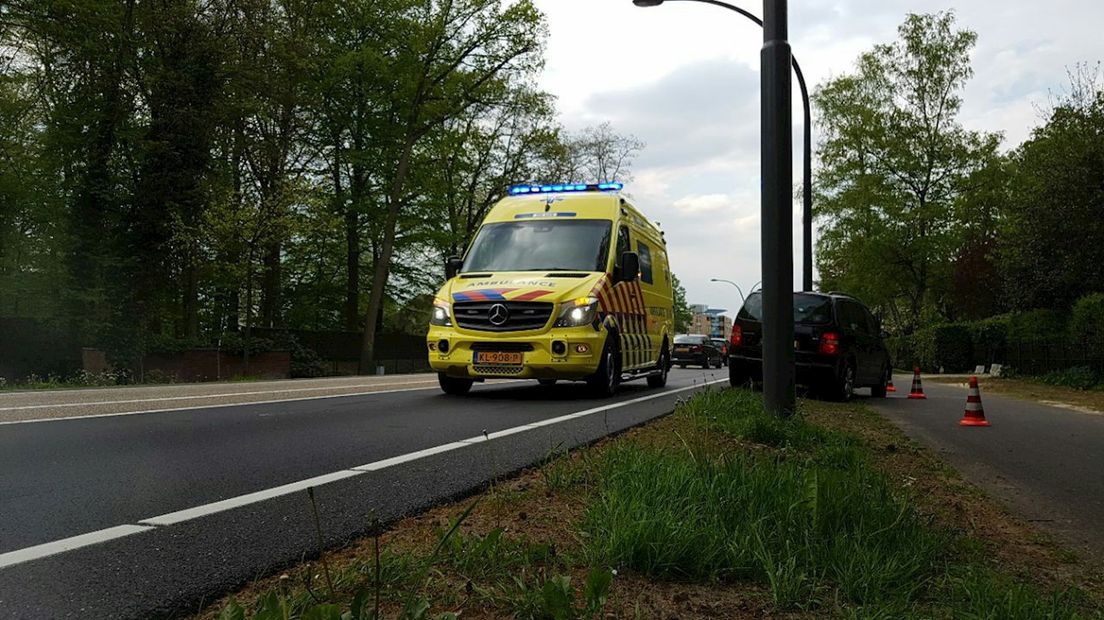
(629, 267)
(452, 267)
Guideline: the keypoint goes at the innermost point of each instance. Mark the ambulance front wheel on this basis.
(603, 383)
(454, 386)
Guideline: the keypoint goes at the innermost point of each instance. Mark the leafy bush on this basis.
(234, 343)
(1086, 324)
(947, 347)
(305, 363)
(989, 339)
(901, 351)
(1037, 325)
(1078, 378)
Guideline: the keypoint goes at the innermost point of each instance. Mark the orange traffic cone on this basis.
(889, 385)
(975, 413)
(917, 389)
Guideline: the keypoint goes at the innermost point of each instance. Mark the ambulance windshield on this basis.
(541, 245)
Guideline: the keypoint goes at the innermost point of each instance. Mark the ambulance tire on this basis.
(660, 380)
(603, 383)
(454, 386)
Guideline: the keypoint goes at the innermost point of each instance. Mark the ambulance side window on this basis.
(645, 261)
(623, 244)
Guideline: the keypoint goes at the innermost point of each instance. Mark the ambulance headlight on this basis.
(580, 312)
(440, 316)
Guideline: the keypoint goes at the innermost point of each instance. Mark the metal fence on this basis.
(1036, 357)
(340, 350)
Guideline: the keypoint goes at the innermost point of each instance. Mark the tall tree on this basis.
(180, 77)
(457, 53)
(1050, 248)
(683, 315)
(894, 160)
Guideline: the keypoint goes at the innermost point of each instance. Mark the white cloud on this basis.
(708, 202)
(684, 78)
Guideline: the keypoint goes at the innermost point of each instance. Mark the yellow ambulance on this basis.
(561, 282)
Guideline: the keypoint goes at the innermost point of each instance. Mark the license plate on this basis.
(681, 349)
(498, 358)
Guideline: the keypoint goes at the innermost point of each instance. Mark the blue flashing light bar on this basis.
(521, 190)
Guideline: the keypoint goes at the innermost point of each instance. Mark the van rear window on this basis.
(808, 309)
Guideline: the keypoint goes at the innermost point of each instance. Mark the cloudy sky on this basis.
(683, 77)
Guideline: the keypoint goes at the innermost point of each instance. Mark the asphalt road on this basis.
(1045, 463)
(143, 515)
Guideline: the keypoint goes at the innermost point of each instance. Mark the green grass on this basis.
(802, 528)
(1078, 378)
(809, 519)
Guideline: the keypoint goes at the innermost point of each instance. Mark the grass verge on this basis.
(716, 511)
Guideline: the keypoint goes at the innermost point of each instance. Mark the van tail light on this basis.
(737, 337)
(829, 343)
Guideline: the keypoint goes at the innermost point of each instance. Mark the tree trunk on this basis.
(190, 293)
(383, 263)
(352, 268)
(270, 286)
(352, 245)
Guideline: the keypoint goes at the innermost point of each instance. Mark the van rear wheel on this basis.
(660, 379)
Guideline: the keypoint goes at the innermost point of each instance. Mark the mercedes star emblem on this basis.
(499, 315)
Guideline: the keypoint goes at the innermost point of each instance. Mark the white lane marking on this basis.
(60, 546)
(68, 544)
(250, 498)
(215, 406)
(203, 396)
(448, 447)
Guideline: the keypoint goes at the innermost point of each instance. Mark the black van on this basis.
(838, 345)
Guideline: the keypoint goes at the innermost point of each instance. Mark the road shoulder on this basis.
(1082, 401)
(533, 526)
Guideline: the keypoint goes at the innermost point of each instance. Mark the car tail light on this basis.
(737, 337)
(829, 343)
(697, 349)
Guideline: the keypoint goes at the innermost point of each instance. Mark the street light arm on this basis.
(738, 289)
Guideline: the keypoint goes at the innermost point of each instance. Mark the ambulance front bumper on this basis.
(560, 353)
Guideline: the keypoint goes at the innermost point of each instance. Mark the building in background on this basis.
(710, 321)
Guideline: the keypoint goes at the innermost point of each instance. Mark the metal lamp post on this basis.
(777, 206)
(807, 148)
(740, 290)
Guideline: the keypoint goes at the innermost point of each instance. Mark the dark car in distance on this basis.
(838, 345)
(721, 344)
(697, 350)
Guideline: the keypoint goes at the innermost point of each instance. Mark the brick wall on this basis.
(211, 365)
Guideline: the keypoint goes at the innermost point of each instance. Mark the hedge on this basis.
(1087, 325)
(989, 339)
(1037, 326)
(943, 348)
(959, 347)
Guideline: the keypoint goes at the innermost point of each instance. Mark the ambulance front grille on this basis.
(522, 315)
(485, 369)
